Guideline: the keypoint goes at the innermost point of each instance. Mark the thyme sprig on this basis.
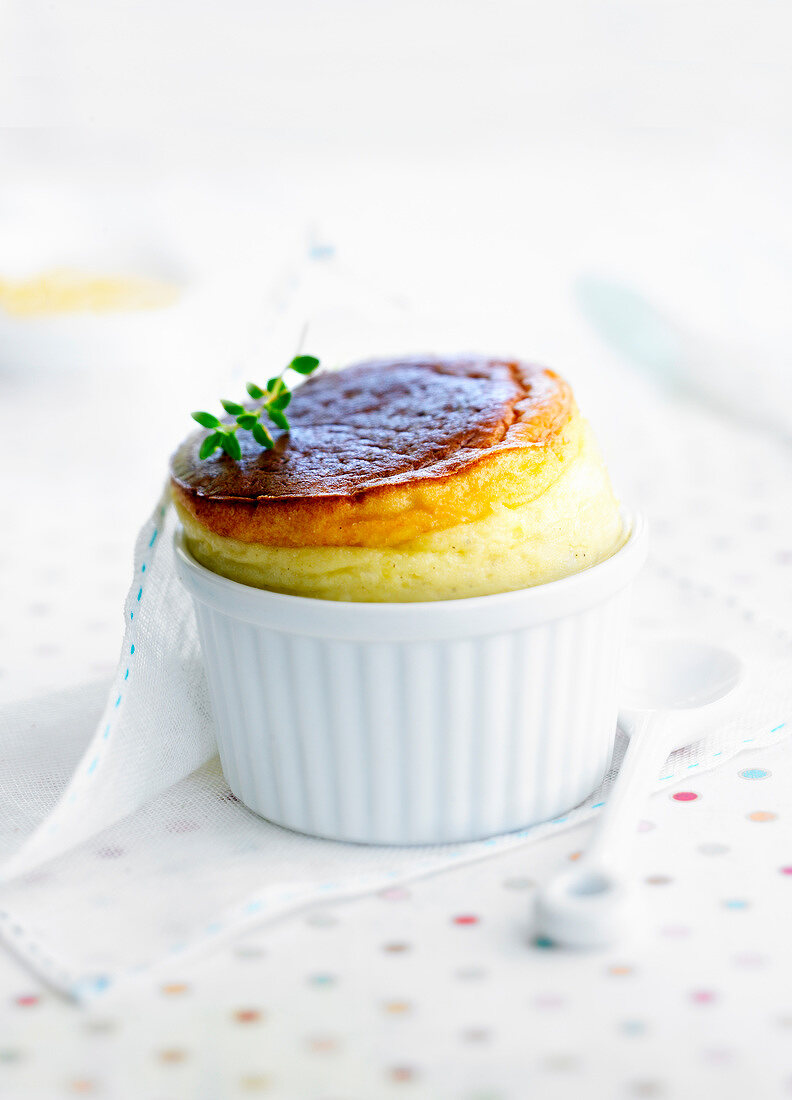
(273, 401)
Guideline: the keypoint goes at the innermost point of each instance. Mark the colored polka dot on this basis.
(396, 948)
(397, 1008)
(26, 1000)
(646, 1088)
(247, 1016)
(702, 996)
(402, 1074)
(619, 970)
(560, 1063)
(786, 870)
(174, 989)
(471, 974)
(321, 981)
(762, 815)
(255, 1082)
(754, 773)
(718, 1056)
(395, 893)
(323, 1044)
(675, 931)
(99, 1027)
(751, 959)
(543, 942)
(475, 1035)
(575, 856)
(519, 883)
(82, 1086)
(173, 1056)
(249, 951)
(713, 848)
(736, 903)
(9, 1057)
(321, 920)
(685, 796)
(466, 919)
(658, 880)
(633, 1027)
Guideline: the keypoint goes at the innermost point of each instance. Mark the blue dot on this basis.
(107, 731)
(140, 593)
(92, 765)
(131, 649)
(544, 942)
(153, 537)
(736, 903)
(143, 568)
(126, 674)
(118, 701)
(754, 773)
(633, 1027)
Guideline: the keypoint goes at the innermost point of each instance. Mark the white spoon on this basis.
(674, 690)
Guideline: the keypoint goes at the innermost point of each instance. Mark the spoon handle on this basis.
(646, 753)
(592, 904)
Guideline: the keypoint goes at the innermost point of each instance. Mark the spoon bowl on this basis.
(677, 674)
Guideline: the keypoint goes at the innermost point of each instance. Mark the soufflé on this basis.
(407, 480)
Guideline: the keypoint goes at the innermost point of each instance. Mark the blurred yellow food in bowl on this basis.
(62, 290)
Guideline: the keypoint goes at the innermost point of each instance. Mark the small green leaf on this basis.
(254, 390)
(209, 445)
(304, 364)
(232, 407)
(247, 420)
(274, 385)
(262, 436)
(206, 420)
(230, 445)
(277, 417)
(282, 401)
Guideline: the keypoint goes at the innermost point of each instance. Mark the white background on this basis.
(469, 163)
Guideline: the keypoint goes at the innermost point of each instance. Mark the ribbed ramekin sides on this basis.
(415, 723)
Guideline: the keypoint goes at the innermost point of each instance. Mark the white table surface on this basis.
(431, 991)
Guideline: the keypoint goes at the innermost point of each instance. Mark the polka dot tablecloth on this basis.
(439, 990)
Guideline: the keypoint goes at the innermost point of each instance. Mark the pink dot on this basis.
(395, 893)
(685, 796)
(27, 1000)
(750, 959)
(677, 931)
(702, 996)
(466, 918)
(786, 870)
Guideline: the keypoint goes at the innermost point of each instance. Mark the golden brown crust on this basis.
(384, 451)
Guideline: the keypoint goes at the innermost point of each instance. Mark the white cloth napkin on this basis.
(122, 846)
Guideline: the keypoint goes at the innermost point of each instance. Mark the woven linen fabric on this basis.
(122, 846)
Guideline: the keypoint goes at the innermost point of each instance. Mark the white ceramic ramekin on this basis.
(415, 723)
